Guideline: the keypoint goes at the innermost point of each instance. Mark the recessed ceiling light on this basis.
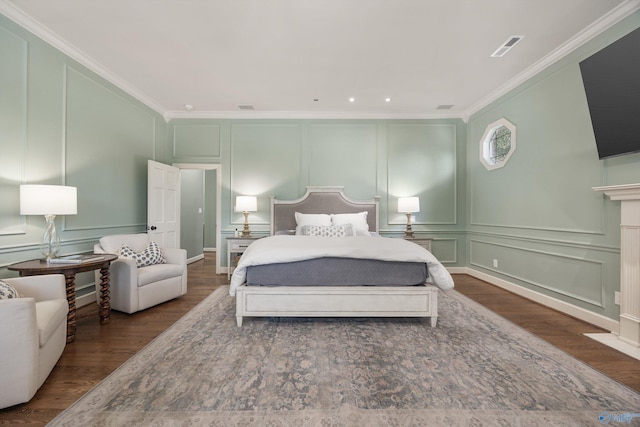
(352, 99)
(188, 107)
(444, 107)
(387, 100)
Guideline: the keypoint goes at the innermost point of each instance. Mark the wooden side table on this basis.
(38, 267)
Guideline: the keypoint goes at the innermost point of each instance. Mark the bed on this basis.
(358, 274)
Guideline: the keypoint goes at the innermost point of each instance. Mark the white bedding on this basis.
(280, 249)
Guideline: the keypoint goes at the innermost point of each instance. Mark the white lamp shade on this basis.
(246, 204)
(408, 204)
(48, 200)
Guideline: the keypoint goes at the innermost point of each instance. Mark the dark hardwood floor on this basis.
(99, 350)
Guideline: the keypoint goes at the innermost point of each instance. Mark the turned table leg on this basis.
(105, 298)
(70, 283)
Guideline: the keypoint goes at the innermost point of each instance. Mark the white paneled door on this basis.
(163, 204)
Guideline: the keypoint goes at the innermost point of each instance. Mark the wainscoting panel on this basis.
(578, 278)
(445, 249)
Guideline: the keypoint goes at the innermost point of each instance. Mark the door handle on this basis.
(153, 227)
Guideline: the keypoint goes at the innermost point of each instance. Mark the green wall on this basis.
(62, 124)
(386, 158)
(192, 212)
(538, 216)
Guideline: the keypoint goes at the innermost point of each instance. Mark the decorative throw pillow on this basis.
(328, 231)
(150, 256)
(358, 220)
(7, 291)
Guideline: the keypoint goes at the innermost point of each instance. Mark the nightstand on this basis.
(425, 242)
(236, 247)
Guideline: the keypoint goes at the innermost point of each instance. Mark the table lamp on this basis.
(48, 200)
(408, 205)
(246, 204)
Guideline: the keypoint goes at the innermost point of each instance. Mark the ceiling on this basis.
(306, 58)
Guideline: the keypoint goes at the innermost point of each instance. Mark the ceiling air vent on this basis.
(245, 107)
(506, 47)
(444, 107)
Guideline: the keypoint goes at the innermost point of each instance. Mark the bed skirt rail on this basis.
(337, 301)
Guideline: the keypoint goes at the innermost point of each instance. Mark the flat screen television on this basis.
(611, 79)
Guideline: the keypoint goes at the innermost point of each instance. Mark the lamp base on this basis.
(50, 246)
(408, 232)
(245, 230)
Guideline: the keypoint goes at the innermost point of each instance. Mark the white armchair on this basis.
(134, 289)
(34, 335)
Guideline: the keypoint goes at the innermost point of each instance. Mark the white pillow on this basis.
(358, 220)
(313, 219)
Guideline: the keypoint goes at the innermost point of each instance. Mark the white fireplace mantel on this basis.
(629, 195)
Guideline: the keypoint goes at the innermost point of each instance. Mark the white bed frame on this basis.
(332, 301)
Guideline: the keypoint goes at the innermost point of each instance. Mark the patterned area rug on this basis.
(474, 368)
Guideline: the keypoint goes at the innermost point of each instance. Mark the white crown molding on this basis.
(607, 21)
(19, 17)
(27, 22)
(256, 114)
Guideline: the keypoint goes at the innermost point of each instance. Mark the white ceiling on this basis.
(281, 55)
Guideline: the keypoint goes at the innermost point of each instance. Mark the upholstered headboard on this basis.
(318, 200)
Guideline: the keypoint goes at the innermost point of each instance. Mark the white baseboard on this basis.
(86, 299)
(614, 341)
(562, 306)
(195, 258)
(210, 250)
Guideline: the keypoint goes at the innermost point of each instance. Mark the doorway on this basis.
(200, 209)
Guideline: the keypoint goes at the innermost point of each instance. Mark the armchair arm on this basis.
(40, 288)
(175, 256)
(19, 349)
(97, 249)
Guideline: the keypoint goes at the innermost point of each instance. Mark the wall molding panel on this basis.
(196, 142)
(264, 160)
(547, 241)
(422, 161)
(101, 123)
(546, 300)
(592, 271)
(446, 249)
